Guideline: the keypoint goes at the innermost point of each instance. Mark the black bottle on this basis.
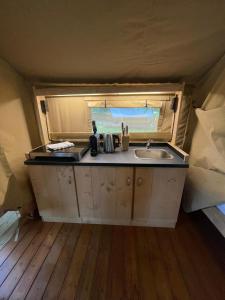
(94, 140)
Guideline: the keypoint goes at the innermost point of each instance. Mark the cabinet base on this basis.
(60, 219)
(105, 221)
(146, 223)
(155, 223)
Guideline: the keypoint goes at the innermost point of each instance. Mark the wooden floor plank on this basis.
(38, 287)
(146, 275)
(99, 284)
(132, 280)
(158, 267)
(70, 284)
(26, 280)
(99, 262)
(11, 281)
(193, 282)
(12, 259)
(116, 277)
(8, 247)
(86, 278)
(176, 280)
(56, 281)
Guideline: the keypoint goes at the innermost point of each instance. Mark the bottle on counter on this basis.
(94, 140)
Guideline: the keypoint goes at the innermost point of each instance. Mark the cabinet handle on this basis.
(139, 181)
(128, 181)
(172, 180)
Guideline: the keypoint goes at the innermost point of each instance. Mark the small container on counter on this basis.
(125, 138)
(125, 142)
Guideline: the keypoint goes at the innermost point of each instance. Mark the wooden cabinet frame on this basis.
(123, 195)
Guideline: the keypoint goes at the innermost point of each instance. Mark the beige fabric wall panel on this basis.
(216, 97)
(17, 127)
(185, 111)
(205, 185)
(68, 114)
(203, 188)
(111, 41)
(207, 150)
(5, 174)
(205, 86)
(213, 80)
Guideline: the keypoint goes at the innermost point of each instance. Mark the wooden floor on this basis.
(72, 261)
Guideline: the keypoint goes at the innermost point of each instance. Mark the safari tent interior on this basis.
(112, 149)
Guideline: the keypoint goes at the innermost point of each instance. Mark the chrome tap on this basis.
(148, 144)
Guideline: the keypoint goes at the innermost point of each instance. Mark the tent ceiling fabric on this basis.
(112, 41)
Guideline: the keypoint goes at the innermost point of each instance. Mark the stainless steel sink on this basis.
(152, 154)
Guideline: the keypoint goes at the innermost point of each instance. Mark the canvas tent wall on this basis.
(18, 134)
(112, 41)
(205, 184)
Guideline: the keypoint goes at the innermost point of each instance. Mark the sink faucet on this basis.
(148, 144)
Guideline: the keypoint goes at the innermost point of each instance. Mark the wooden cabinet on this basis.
(108, 195)
(105, 194)
(157, 196)
(55, 192)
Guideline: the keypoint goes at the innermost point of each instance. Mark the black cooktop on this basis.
(76, 152)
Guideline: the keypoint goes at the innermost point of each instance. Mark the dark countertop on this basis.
(121, 158)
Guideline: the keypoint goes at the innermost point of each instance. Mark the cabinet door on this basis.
(167, 189)
(104, 194)
(54, 188)
(157, 196)
(142, 194)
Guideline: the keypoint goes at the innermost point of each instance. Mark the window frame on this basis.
(41, 91)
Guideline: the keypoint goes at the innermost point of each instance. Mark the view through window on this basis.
(140, 119)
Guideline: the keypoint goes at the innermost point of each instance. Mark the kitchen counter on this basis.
(121, 158)
(115, 188)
